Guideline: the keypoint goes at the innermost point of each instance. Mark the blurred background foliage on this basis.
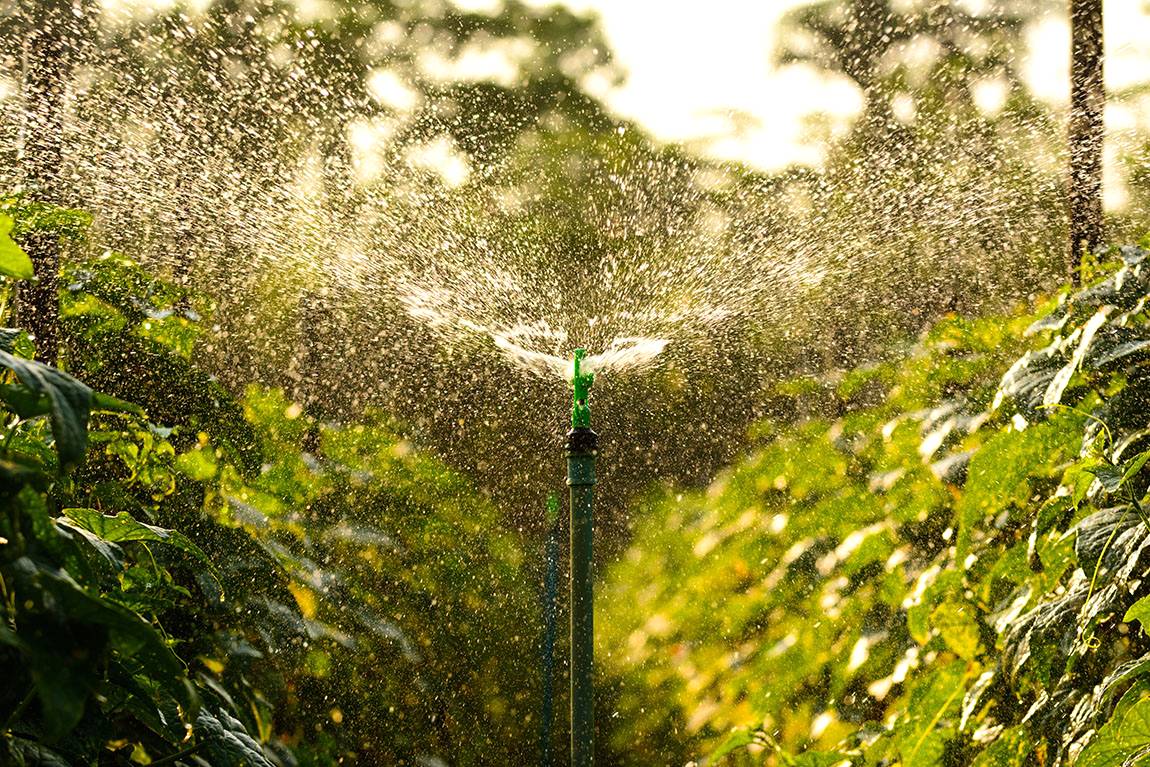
(347, 122)
(320, 538)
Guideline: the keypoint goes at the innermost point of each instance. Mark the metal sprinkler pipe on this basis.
(582, 447)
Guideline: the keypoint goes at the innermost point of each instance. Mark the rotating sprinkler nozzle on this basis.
(582, 447)
(581, 383)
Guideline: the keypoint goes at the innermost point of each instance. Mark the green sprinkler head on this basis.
(581, 382)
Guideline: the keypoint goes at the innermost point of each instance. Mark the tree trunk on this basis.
(1087, 100)
(47, 68)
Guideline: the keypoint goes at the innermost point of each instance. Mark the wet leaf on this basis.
(123, 527)
(67, 403)
(1139, 611)
(225, 742)
(14, 262)
(927, 724)
(1011, 749)
(957, 625)
(1125, 739)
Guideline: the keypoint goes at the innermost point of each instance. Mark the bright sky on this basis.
(704, 75)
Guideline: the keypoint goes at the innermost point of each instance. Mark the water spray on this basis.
(582, 447)
(547, 659)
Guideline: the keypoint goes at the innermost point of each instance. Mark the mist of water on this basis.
(380, 268)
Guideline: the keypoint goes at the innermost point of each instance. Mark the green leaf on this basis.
(923, 732)
(14, 262)
(110, 552)
(63, 683)
(1120, 352)
(1098, 536)
(958, 627)
(23, 401)
(1134, 465)
(1125, 739)
(1003, 471)
(1010, 750)
(27, 753)
(1131, 669)
(46, 390)
(199, 464)
(9, 337)
(69, 404)
(1062, 378)
(123, 527)
(1139, 611)
(1109, 475)
(226, 742)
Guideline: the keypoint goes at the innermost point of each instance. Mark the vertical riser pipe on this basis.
(581, 449)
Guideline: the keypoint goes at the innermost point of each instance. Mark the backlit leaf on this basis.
(14, 262)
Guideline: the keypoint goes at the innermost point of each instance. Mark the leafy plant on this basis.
(955, 575)
(243, 577)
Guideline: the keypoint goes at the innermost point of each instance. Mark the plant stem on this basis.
(16, 712)
(170, 758)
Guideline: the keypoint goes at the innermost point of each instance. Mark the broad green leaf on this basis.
(111, 553)
(1003, 470)
(69, 404)
(27, 753)
(1119, 352)
(926, 726)
(46, 390)
(225, 741)
(1051, 511)
(14, 262)
(23, 401)
(1010, 750)
(199, 464)
(9, 337)
(1139, 611)
(63, 685)
(958, 627)
(1115, 681)
(123, 527)
(158, 712)
(1134, 465)
(1097, 535)
(1061, 380)
(1109, 475)
(1125, 739)
(63, 692)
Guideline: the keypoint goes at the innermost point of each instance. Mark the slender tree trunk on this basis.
(47, 68)
(1087, 100)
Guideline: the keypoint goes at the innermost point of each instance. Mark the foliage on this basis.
(241, 585)
(955, 575)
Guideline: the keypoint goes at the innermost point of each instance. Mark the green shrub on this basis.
(241, 585)
(953, 576)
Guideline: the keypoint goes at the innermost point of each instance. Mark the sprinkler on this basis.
(581, 450)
